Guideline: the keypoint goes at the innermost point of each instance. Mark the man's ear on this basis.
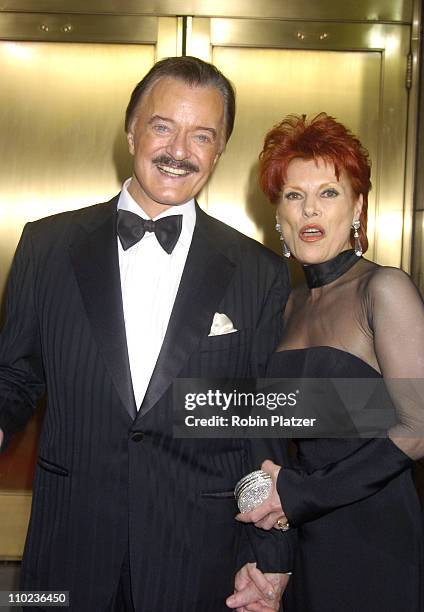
(130, 140)
(217, 156)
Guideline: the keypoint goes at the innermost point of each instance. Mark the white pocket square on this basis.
(221, 324)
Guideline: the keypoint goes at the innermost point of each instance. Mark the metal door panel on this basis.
(63, 146)
(355, 72)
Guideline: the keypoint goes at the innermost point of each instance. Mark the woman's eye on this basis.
(330, 193)
(292, 195)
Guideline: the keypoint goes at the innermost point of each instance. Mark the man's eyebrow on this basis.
(156, 117)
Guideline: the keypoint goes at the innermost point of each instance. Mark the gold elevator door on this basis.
(62, 108)
(355, 72)
(300, 82)
(61, 118)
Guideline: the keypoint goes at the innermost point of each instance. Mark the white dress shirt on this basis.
(149, 282)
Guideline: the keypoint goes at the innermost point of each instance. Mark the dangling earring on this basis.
(286, 250)
(357, 245)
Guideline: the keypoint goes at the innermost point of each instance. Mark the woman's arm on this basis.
(397, 312)
(397, 320)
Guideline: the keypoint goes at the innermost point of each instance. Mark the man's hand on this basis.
(1, 438)
(270, 511)
(257, 592)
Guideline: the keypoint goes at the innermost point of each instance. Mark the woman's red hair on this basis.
(320, 138)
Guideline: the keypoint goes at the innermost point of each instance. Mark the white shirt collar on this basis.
(187, 210)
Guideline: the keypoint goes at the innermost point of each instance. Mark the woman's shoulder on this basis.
(388, 283)
(386, 275)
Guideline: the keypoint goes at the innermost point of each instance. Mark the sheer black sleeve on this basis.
(396, 318)
(398, 324)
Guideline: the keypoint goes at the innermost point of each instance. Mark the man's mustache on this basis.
(165, 160)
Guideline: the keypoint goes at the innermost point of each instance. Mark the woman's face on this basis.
(316, 211)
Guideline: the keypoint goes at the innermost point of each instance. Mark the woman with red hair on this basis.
(352, 500)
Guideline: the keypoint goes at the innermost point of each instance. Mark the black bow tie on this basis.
(131, 229)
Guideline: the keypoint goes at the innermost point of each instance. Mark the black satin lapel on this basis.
(205, 278)
(95, 259)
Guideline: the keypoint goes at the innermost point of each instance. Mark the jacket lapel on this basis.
(206, 275)
(94, 254)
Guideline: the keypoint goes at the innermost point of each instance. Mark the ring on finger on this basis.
(282, 524)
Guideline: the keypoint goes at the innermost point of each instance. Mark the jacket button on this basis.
(137, 436)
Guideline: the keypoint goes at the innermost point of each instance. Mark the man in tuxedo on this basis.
(106, 306)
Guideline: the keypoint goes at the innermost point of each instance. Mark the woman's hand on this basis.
(257, 592)
(270, 511)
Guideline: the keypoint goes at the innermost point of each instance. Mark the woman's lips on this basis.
(311, 233)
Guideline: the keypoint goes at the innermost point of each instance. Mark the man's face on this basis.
(176, 138)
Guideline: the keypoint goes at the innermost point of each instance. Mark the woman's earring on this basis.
(357, 246)
(286, 250)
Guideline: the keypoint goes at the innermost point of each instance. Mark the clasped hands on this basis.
(253, 590)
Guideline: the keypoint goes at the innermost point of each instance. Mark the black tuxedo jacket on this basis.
(109, 479)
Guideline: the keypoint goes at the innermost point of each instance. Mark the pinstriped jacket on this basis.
(109, 479)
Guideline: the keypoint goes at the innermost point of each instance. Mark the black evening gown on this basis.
(352, 500)
(366, 556)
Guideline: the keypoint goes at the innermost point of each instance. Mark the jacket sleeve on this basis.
(21, 370)
(272, 550)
